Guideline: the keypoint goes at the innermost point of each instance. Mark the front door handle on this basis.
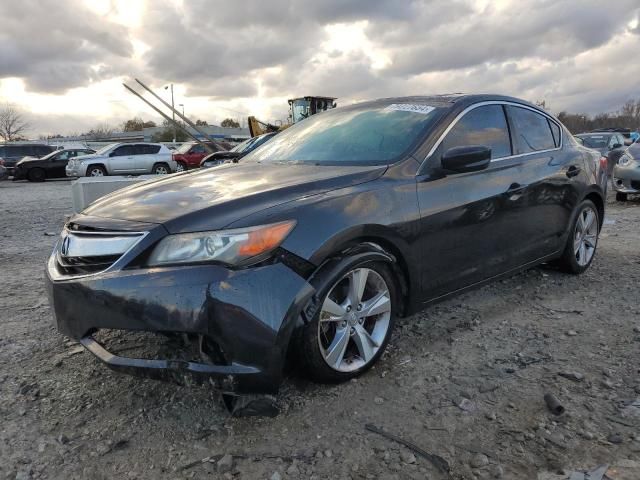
(572, 171)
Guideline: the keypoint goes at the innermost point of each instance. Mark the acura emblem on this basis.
(64, 248)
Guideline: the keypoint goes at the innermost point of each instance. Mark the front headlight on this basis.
(624, 160)
(231, 247)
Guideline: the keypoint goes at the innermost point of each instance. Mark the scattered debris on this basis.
(615, 438)
(595, 474)
(466, 405)
(378, 400)
(554, 405)
(437, 461)
(251, 405)
(575, 376)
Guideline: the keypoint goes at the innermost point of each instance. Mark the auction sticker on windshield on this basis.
(408, 107)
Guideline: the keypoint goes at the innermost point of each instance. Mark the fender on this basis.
(331, 268)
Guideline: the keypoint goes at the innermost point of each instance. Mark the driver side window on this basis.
(487, 126)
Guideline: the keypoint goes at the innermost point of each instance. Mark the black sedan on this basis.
(50, 166)
(237, 152)
(314, 244)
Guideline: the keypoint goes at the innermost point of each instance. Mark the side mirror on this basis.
(616, 145)
(466, 159)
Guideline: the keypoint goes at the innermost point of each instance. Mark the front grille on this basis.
(88, 252)
(85, 265)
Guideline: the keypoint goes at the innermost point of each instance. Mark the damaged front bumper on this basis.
(242, 318)
(626, 179)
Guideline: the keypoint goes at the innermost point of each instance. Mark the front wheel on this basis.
(96, 171)
(36, 175)
(583, 239)
(351, 329)
(180, 167)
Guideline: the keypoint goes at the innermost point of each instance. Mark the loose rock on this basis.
(479, 460)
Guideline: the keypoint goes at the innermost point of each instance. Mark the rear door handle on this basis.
(572, 171)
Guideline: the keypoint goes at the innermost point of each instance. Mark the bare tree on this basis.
(12, 123)
(100, 132)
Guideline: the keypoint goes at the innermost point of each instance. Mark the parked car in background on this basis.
(190, 154)
(315, 242)
(626, 174)
(123, 159)
(609, 144)
(50, 166)
(11, 153)
(236, 152)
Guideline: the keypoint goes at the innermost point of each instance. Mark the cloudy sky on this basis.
(63, 61)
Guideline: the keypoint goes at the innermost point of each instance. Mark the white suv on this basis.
(123, 159)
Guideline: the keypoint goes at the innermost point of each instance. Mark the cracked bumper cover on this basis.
(250, 314)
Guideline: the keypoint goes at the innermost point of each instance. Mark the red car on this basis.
(190, 154)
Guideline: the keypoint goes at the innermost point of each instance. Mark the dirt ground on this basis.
(463, 380)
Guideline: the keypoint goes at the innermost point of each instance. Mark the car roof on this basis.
(449, 100)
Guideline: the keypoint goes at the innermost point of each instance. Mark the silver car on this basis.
(123, 159)
(626, 174)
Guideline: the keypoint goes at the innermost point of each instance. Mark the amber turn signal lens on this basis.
(265, 239)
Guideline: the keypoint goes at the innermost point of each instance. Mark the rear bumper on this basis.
(249, 314)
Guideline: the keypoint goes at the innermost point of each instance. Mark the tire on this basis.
(578, 254)
(36, 175)
(180, 167)
(161, 169)
(366, 338)
(96, 171)
(621, 197)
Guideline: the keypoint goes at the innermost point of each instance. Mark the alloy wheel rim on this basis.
(585, 237)
(96, 172)
(179, 168)
(161, 171)
(354, 320)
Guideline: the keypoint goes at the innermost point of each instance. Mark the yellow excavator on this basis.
(299, 109)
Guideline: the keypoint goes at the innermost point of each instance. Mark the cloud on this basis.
(578, 57)
(55, 45)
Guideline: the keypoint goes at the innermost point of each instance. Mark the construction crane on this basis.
(299, 109)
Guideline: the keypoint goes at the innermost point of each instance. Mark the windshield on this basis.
(184, 148)
(106, 148)
(371, 135)
(595, 141)
(49, 155)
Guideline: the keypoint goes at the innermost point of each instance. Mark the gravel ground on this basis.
(463, 380)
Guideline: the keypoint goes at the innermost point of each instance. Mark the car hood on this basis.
(27, 159)
(89, 156)
(213, 198)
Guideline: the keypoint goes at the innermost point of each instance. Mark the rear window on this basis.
(555, 131)
(532, 130)
(595, 141)
(361, 135)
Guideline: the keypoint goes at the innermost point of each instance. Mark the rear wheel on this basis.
(583, 239)
(161, 169)
(96, 171)
(621, 197)
(36, 175)
(353, 326)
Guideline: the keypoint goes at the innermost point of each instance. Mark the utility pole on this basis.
(173, 113)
